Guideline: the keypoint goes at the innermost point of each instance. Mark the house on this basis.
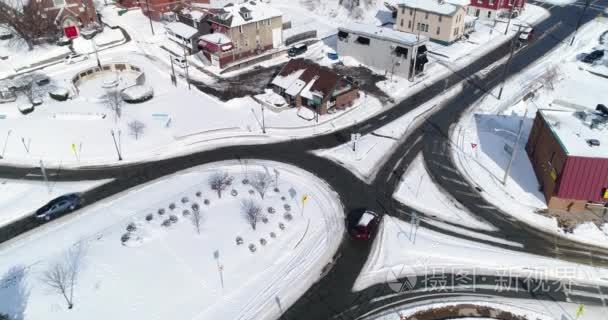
(304, 83)
(183, 34)
(247, 29)
(157, 8)
(442, 21)
(380, 48)
(196, 18)
(491, 9)
(569, 154)
(62, 12)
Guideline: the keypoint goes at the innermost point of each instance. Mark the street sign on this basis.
(70, 32)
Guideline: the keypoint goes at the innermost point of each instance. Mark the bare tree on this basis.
(113, 100)
(136, 128)
(197, 220)
(252, 211)
(28, 20)
(220, 182)
(61, 276)
(261, 182)
(550, 78)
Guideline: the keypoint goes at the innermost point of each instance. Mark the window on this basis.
(342, 35)
(418, 26)
(401, 23)
(241, 29)
(491, 2)
(411, 11)
(257, 25)
(439, 18)
(426, 15)
(402, 10)
(489, 14)
(438, 30)
(363, 40)
(401, 52)
(59, 3)
(426, 28)
(269, 22)
(409, 24)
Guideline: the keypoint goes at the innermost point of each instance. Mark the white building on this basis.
(383, 49)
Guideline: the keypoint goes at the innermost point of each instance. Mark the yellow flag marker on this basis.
(304, 199)
(74, 147)
(580, 310)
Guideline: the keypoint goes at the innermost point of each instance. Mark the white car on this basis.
(75, 57)
(180, 61)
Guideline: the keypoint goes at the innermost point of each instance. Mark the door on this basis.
(477, 13)
(277, 37)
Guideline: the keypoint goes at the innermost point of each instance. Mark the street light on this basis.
(149, 17)
(116, 146)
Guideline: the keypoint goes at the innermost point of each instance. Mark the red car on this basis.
(362, 224)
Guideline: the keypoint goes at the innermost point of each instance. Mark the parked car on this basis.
(75, 57)
(43, 80)
(362, 224)
(64, 41)
(526, 35)
(593, 56)
(5, 35)
(59, 206)
(180, 61)
(298, 49)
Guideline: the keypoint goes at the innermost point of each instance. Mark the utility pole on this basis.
(580, 19)
(510, 15)
(116, 146)
(506, 68)
(5, 143)
(149, 17)
(263, 119)
(46, 178)
(186, 60)
(96, 52)
(521, 127)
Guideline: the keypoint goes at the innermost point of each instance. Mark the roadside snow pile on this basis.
(229, 240)
(137, 94)
(397, 251)
(21, 198)
(60, 94)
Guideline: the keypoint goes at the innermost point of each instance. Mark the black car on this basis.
(59, 206)
(298, 49)
(593, 56)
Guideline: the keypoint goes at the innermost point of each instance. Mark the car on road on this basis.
(75, 57)
(59, 206)
(362, 224)
(593, 56)
(298, 49)
(180, 61)
(526, 35)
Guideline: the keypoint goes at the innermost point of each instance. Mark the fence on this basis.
(300, 36)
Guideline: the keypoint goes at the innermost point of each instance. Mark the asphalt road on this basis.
(332, 298)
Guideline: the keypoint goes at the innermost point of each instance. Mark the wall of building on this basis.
(378, 54)
(584, 178)
(444, 29)
(571, 205)
(254, 36)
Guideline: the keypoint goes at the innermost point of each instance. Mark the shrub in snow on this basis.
(277, 190)
(239, 241)
(263, 241)
(185, 200)
(206, 202)
(166, 223)
(125, 237)
(172, 206)
(264, 219)
(195, 207)
(137, 94)
(251, 191)
(131, 227)
(252, 247)
(60, 94)
(186, 213)
(219, 182)
(273, 235)
(149, 217)
(234, 193)
(261, 182)
(245, 181)
(287, 207)
(271, 210)
(283, 198)
(288, 216)
(281, 226)
(161, 211)
(173, 218)
(199, 194)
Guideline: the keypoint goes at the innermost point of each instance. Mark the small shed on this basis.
(183, 34)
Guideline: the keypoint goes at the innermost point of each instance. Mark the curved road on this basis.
(332, 298)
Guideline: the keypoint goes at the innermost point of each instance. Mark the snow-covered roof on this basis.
(572, 131)
(383, 33)
(288, 80)
(442, 7)
(295, 88)
(234, 15)
(217, 37)
(181, 29)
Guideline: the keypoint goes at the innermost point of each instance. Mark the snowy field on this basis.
(494, 124)
(21, 198)
(142, 254)
(399, 250)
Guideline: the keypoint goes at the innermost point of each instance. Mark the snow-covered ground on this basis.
(22, 197)
(493, 124)
(173, 271)
(406, 251)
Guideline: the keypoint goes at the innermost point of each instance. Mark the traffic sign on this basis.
(70, 32)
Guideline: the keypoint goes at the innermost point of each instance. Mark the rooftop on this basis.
(389, 34)
(573, 129)
(305, 77)
(234, 15)
(181, 29)
(444, 7)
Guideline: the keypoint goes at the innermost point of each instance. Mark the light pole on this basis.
(186, 61)
(116, 146)
(521, 127)
(580, 19)
(506, 68)
(149, 17)
(263, 119)
(510, 15)
(96, 52)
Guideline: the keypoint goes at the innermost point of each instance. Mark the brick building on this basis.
(63, 12)
(305, 84)
(569, 153)
(490, 9)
